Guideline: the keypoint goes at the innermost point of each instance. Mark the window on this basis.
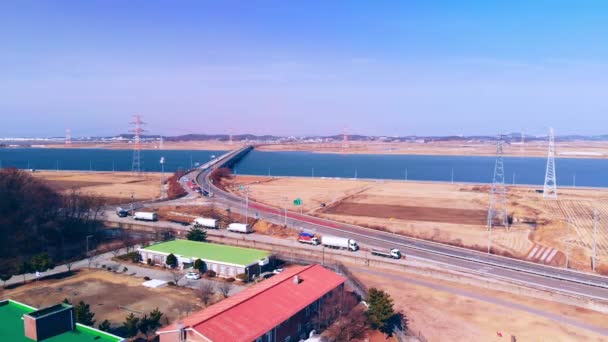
(269, 336)
(299, 328)
(307, 311)
(287, 338)
(259, 339)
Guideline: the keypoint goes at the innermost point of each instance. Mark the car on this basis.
(277, 271)
(268, 275)
(193, 276)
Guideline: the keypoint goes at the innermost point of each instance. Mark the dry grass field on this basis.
(447, 311)
(574, 149)
(105, 292)
(448, 213)
(115, 187)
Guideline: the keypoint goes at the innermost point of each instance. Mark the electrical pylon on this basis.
(550, 188)
(497, 212)
(137, 131)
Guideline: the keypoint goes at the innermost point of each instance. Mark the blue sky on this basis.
(303, 67)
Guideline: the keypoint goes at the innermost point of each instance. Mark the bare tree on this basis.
(69, 265)
(176, 274)
(337, 305)
(206, 292)
(127, 240)
(224, 288)
(349, 326)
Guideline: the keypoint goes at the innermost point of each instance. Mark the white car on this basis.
(277, 271)
(193, 276)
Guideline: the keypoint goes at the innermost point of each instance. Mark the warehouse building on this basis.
(225, 261)
(23, 323)
(278, 309)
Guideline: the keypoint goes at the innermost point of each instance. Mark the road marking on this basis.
(537, 255)
(552, 255)
(532, 252)
(546, 254)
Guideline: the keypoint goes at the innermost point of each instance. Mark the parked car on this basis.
(277, 271)
(193, 276)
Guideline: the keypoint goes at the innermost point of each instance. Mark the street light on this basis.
(162, 175)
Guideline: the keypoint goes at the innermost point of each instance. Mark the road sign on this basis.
(240, 187)
(297, 201)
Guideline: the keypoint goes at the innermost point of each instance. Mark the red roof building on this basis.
(278, 309)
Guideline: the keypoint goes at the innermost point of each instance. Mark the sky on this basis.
(389, 68)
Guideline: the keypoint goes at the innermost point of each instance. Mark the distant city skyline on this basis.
(308, 68)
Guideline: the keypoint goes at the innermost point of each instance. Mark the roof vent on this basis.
(296, 279)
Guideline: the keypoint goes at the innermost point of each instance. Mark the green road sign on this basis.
(240, 187)
(297, 201)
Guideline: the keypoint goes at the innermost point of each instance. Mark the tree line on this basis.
(39, 225)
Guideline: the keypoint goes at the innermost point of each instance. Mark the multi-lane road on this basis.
(540, 276)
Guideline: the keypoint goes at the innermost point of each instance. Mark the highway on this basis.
(537, 275)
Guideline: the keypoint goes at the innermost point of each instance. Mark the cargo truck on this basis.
(393, 253)
(340, 242)
(308, 238)
(181, 219)
(145, 216)
(240, 228)
(205, 222)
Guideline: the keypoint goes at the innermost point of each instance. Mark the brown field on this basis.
(212, 145)
(115, 187)
(448, 311)
(104, 292)
(580, 149)
(574, 149)
(448, 213)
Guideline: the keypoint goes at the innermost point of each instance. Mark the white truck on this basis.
(145, 216)
(393, 253)
(339, 242)
(239, 228)
(205, 222)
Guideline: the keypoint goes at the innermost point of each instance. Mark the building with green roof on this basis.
(23, 323)
(225, 261)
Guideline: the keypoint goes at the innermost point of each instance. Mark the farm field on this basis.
(443, 212)
(581, 149)
(114, 187)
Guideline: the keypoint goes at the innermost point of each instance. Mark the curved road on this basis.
(542, 276)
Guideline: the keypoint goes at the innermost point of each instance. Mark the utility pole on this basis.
(574, 180)
(406, 173)
(246, 204)
(568, 222)
(452, 175)
(87, 239)
(313, 172)
(162, 177)
(550, 187)
(595, 219)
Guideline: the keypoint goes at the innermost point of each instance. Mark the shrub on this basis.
(230, 279)
(210, 273)
(147, 278)
(134, 256)
(124, 269)
(171, 283)
(242, 277)
(109, 268)
(149, 261)
(103, 266)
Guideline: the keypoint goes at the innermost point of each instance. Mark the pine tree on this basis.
(171, 260)
(131, 325)
(199, 265)
(197, 234)
(380, 309)
(83, 314)
(104, 326)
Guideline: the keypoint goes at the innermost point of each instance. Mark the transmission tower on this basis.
(345, 138)
(137, 131)
(161, 143)
(68, 136)
(230, 136)
(497, 212)
(550, 188)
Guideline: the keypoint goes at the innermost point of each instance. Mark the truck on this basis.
(122, 212)
(308, 238)
(393, 253)
(145, 216)
(239, 228)
(205, 222)
(340, 243)
(181, 219)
